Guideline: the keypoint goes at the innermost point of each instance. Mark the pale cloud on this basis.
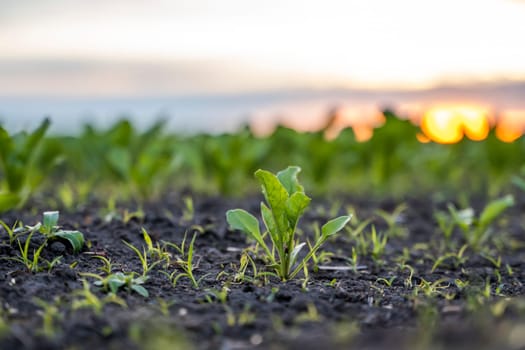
(257, 45)
(54, 77)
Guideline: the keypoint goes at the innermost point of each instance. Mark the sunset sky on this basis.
(180, 47)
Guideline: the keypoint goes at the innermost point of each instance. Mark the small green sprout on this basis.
(333, 283)
(408, 280)
(51, 264)
(458, 258)
(31, 263)
(477, 230)
(310, 315)
(129, 215)
(388, 282)
(156, 251)
(143, 257)
(496, 262)
(247, 261)
(323, 257)
(379, 242)
(460, 284)
(189, 210)
(446, 225)
(394, 220)
(185, 262)
(11, 231)
(245, 317)
(115, 281)
(50, 314)
(51, 231)
(353, 260)
(431, 289)
(164, 306)
(85, 298)
(285, 204)
(108, 265)
(217, 295)
(487, 289)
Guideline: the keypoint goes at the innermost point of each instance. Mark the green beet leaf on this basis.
(495, 209)
(50, 221)
(270, 223)
(116, 281)
(335, 225)
(139, 289)
(240, 219)
(276, 197)
(295, 207)
(288, 179)
(74, 238)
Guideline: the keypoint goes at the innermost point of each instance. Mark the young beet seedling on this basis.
(51, 231)
(285, 204)
(115, 281)
(477, 230)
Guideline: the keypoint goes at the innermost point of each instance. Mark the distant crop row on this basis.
(125, 163)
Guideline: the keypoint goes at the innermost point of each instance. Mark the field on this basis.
(132, 239)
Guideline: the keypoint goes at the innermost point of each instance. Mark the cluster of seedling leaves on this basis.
(118, 280)
(478, 229)
(285, 204)
(51, 231)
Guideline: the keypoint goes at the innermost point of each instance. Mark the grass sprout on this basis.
(11, 231)
(458, 258)
(32, 263)
(85, 298)
(50, 314)
(185, 263)
(394, 220)
(189, 210)
(143, 257)
(108, 265)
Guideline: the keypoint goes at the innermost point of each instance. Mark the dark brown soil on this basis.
(337, 309)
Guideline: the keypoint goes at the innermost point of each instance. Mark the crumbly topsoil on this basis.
(337, 308)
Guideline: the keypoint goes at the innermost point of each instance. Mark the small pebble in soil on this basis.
(66, 273)
(183, 311)
(283, 296)
(58, 247)
(256, 339)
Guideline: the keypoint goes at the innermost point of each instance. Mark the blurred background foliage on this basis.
(125, 163)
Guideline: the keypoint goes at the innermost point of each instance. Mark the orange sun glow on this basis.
(449, 124)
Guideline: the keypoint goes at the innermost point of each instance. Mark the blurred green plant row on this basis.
(126, 163)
